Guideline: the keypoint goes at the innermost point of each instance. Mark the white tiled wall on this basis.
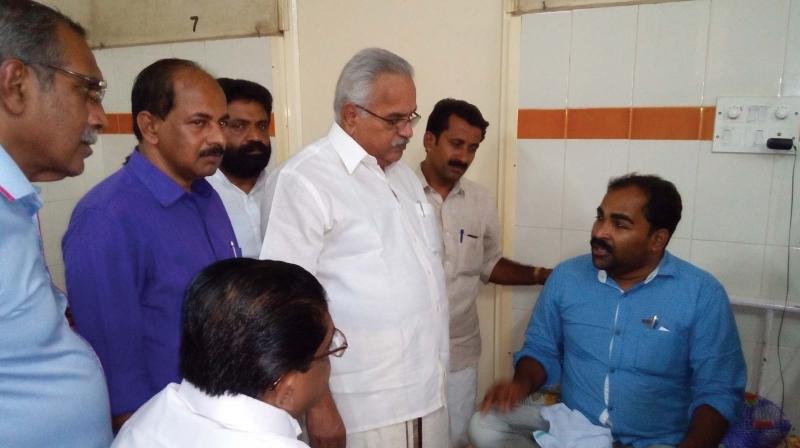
(247, 58)
(737, 207)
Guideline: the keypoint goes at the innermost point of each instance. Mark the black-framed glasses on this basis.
(397, 122)
(337, 347)
(95, 87)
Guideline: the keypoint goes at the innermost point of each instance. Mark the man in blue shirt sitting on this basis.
(136, 239)
(640, 341)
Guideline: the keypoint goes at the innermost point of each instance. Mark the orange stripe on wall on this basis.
(542, 123)
(598, 123)
(639, 123)
(123, 124)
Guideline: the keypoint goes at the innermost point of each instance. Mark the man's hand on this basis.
(505, 396)
(529, 376)
(325, 425)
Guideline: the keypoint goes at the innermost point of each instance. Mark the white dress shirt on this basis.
(244, 210)
(471, 236)
(371, 238)
(181, 415)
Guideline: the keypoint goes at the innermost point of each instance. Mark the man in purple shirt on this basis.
(136, 239)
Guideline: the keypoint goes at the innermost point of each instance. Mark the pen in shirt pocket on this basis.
(233, 248)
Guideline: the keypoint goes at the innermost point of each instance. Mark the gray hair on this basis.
(361, 71)
(28, 32)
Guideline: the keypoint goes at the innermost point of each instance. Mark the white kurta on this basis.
(244, 211)
(181, 415)
(371, 238)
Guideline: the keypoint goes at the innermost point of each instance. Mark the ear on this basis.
(148, 125)
(659, 240)
(349, 117)
(428, 140)
(15, 80)
(285, 393)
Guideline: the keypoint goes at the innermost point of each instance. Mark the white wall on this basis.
(736, 221)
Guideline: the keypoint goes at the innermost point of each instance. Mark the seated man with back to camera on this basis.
(642, 342)
(254, 355)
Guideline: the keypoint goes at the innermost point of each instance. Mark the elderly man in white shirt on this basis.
(350, 212)
(256, 343)
(241, 176)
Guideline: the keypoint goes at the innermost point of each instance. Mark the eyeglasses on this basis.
(96, 88)
(337, 347)
(397, 122)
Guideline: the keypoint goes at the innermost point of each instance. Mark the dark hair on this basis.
(247, 322)
(439, 119)
(244, 90)
(154, 89)
(28, 32)
(664, 206)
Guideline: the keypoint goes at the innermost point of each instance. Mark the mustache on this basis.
(457, 164)
(214, 150)
(89, 136)
(602, 244)
(251, 147)
(399, 142)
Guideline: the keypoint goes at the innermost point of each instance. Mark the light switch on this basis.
(744, 124)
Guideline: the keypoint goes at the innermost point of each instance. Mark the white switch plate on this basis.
(743, 124)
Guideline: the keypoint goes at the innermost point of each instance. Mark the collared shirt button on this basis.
(617, 332)
(611, 370)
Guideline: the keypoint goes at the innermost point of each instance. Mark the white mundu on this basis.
(371, 239)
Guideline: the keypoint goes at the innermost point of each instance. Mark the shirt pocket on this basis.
(660, 352)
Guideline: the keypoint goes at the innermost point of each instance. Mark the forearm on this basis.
(530, 375)
(706, 429)
(507, 272)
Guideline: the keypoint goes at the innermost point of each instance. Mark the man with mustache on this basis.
(241, 176)
(350, 212)
(467, 215)
(641, 342)
(137, 238)
(52, 390)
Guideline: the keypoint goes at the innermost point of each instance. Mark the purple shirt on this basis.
(133, 244)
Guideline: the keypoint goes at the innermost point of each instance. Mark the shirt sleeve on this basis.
(294, 221)
(104, 286)
(544, 336)
(719, 374)
(491, 240)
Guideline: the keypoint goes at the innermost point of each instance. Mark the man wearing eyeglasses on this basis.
(350, 212)
(257, 343)
(52, 389)
(137, 238)
(241, 177)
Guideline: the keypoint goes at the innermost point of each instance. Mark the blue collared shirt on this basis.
(133, 244)
(52, 391)
(639, 361)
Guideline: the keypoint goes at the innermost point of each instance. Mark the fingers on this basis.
(502, 396)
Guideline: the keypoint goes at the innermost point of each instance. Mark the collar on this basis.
(13, 183)
(457, 188)
(666, 267)
(239, 412)
(351, 153)
(260, 182)
(161, 186)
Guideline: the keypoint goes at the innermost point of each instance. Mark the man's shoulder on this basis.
(112, 193)
(688, 273)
